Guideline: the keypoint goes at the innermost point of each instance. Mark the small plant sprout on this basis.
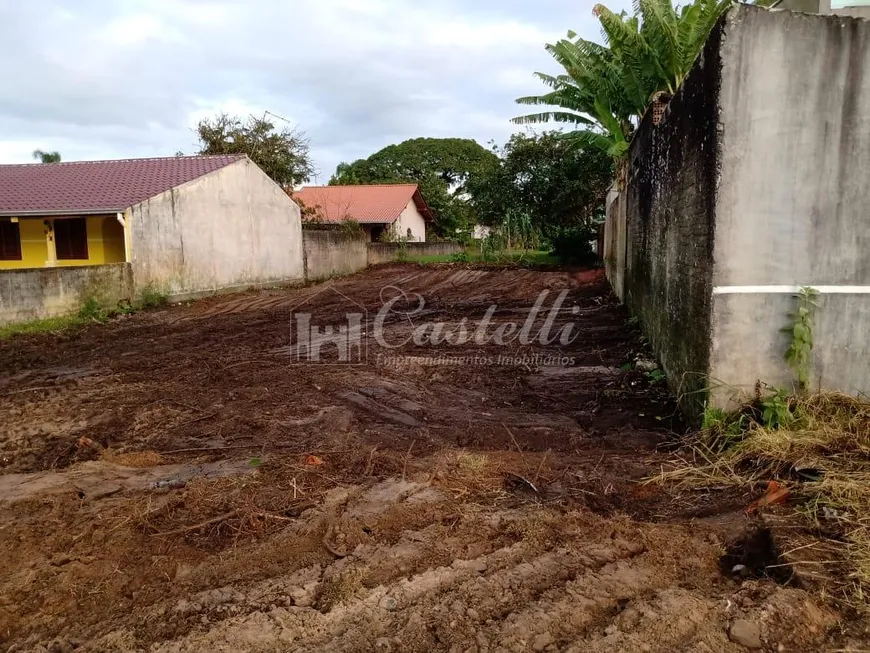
(776, 412)
(799, 353)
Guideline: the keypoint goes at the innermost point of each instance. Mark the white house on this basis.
(398, 208)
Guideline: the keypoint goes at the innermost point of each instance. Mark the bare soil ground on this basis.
(172, 481)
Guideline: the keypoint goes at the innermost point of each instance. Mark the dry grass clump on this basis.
(217, 512)
(466, 474)
(471, 463)
(340, 587)
(140, 459)
(818, 448)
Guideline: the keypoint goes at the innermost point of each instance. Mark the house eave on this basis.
(52, 214)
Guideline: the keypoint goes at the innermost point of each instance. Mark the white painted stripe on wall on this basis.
(770, 290)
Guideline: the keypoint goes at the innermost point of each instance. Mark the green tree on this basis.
(283, 155)
(544, 178)
(442, 167)
(606, 88)
(46, 157)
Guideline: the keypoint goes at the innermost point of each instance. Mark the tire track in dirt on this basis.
(467, 508)
(571, 582)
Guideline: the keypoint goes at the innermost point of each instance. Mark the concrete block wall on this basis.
(36, 293)
(753, 185)
(333, 253)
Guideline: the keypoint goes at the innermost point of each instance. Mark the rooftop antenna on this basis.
(315, 174)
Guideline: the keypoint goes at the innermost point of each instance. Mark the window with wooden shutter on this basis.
(10, 241)
(71, 238)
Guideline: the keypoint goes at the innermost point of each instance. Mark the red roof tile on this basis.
(374, 203)
(97, 186)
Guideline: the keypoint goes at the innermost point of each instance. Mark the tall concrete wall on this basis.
(669, 213)
(614, 242)
(793, 205)
(37, 293)
(755, 183)
(333, 253)
(232, 228)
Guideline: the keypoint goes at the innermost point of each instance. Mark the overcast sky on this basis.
(95, 79)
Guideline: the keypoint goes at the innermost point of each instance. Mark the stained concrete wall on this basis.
(387, 252)
(37, 293)
(755, 183)
(232, 228)
(614, 242)
(333, 253)
(793, 205)
(669, 209)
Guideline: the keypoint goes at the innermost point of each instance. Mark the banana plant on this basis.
(606, 88)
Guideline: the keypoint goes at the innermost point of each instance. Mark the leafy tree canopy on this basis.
(443, 167)
(283, 155)
(46, 157)
(557, 184)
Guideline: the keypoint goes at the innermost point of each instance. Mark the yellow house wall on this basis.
(106, 244)
(34, 250)
(99, 250)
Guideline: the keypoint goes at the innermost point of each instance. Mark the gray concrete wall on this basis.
(614, 242)
(754, 184)
(387, 252)
(233, 228)
(668, 240)
(333, 253)
(793, 206)
(36, 293)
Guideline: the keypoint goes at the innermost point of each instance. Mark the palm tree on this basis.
(46, 157)
(605, 89)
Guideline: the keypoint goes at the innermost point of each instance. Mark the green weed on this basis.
(150, 297)
(800, 350)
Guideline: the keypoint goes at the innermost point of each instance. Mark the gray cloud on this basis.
(130, 78)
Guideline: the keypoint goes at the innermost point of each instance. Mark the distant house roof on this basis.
(369, 204)
(97, 186)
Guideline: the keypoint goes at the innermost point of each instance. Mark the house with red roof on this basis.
(184, 224)
(385, 211)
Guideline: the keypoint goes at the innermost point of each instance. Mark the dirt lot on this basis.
(178, 481)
